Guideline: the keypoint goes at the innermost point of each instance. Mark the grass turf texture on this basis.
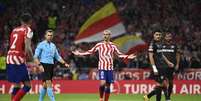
(95, 97)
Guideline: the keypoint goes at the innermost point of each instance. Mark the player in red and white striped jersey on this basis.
(16, 54)
(106, 50)
(20, 46)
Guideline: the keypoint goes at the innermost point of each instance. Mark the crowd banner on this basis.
(119, 87)
(144, 74)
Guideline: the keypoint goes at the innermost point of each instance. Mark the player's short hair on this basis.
(166, 33)
(49, 30)
(25, 17)
(156, 30)
(107, 31)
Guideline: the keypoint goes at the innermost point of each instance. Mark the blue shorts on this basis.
(106, 75)
(17, 73)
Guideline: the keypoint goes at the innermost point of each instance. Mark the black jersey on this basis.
(157, 49)
(170, 51)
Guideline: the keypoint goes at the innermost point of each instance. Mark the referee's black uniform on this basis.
(48, 71)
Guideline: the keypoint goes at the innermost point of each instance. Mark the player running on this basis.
(106, 50)
(19, 50)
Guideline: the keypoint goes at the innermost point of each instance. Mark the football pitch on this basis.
(94, 97)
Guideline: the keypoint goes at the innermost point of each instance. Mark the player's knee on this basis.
(102, 82)
(44, 85)
(165, 84)
(158, 89)
(48, 83)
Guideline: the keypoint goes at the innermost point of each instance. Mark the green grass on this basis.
(94, 97)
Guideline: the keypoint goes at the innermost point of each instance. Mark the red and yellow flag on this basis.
(130, 44)
(105, 18)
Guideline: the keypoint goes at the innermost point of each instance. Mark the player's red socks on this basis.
(20, 94)
(14, 92)
(107, 95)
(101, 92)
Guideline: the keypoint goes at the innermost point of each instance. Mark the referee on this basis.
(44, 56)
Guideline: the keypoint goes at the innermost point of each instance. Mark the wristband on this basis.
(154, 68)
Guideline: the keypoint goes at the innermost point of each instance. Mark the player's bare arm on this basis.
(28, 49)
(40, 67)
(64, 63)
(177, 60)
(151, 59)
(131, 56)
(76, 52)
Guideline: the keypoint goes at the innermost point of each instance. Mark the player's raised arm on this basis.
(121, 55)
(91, 51)
(60, 59)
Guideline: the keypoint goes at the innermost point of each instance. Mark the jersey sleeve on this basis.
(119, 53)
(29, 33)
(57, 56)
(117, 50)
(151, 47)
(94, 49)
(38, 51)
(91, 51)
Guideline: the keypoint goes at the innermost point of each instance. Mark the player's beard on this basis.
(157, 39)
(106, 39)
(168, 41)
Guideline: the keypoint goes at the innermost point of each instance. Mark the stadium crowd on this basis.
(181, 17)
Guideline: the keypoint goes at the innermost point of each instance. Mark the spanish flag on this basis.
(106, 18)
(130, 44)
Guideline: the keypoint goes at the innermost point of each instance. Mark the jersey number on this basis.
(13, 46)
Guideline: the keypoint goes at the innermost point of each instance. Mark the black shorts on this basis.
(162, 75)
(48, 71)
(170, 73)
